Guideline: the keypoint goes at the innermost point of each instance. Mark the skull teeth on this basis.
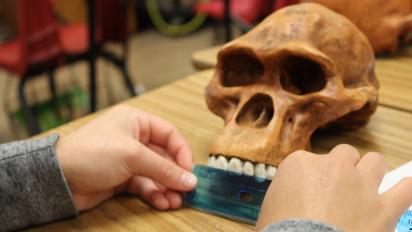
(235, 165)
(243, 167)
(221, 163)
(211, 162)
(248, 169)
(260, 170)
(270, 172)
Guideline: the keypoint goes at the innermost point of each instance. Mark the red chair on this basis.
(109, 23)
(244, 13)
(248, 11)
(283, 3)
(36, 50)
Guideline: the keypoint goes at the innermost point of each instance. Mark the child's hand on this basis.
(126, 150)
(339, 189)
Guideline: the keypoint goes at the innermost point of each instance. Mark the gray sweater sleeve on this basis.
(33, 189)
(300, 225)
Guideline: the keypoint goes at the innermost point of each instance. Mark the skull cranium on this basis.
(303, 68)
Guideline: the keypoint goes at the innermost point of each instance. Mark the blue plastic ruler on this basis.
(405, 222)
(227, 194)
(240, 197)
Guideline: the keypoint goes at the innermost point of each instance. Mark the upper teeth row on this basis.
(248, 168)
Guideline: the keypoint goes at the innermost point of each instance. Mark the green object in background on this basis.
(50, 114)
(170, 29)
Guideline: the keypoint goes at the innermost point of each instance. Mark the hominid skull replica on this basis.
(383, 22)
(303, 68)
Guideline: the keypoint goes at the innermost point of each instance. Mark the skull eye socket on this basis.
(301, 75)
(240, 70)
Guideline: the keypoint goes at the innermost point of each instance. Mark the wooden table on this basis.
(205, 58)
(182, 103)
(393, 71)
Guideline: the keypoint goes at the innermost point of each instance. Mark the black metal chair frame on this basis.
(96, 51)
(32, 72)
(91, 56)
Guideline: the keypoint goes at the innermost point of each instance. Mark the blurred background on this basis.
(46, 57)
(63, 59)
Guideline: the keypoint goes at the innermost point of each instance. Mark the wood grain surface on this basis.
(182, 103)
(393, 71)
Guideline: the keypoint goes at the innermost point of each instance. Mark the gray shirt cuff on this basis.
(300, 225)
(33, 189)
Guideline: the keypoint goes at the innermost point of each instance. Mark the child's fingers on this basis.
(149, 192)
(147, 163)
(345, 153)
(372, 167)
(175, 199)
(398, 198)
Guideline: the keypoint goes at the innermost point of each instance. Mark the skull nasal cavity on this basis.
(301, 75)
(257, 112)
(240, 69)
